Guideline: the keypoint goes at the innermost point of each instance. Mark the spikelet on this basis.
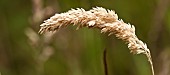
(105, 20)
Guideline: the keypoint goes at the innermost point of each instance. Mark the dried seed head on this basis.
(98, 17)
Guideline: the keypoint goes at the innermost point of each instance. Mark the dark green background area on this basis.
(80, 52)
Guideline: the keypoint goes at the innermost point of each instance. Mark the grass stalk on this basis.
(103, 19)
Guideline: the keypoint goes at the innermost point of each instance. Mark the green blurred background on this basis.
(80, 52)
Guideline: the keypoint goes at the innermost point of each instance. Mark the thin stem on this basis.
(153, 73)
(105, 62)
(152, 69)
(151, 63)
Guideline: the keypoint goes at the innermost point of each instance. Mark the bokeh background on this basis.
(80, 52)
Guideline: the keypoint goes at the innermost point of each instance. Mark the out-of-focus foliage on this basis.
(80, 52)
